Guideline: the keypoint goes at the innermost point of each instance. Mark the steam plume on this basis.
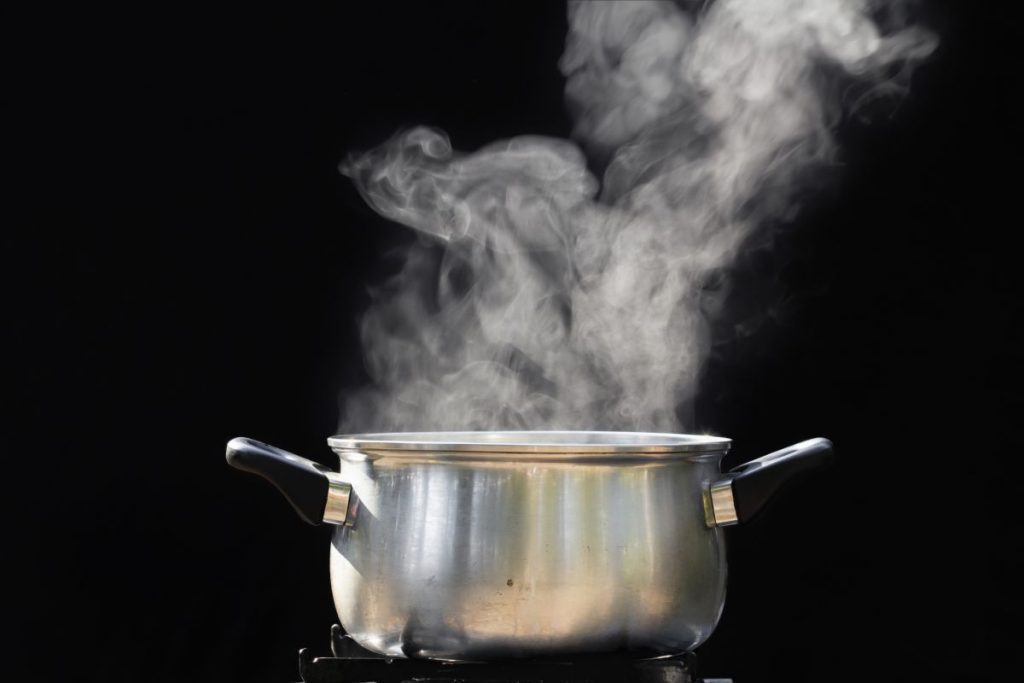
(560, 302)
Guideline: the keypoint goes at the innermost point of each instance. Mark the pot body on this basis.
(464, 560)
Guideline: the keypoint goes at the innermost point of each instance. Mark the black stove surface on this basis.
(351, 663)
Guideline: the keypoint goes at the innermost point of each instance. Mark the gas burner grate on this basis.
(351, 663)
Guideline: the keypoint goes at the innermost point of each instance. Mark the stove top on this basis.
(351, 663)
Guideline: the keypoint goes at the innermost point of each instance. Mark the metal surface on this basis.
(478, 546)
(547, 445)
(339, 495)
(533, 556)
(723, 507)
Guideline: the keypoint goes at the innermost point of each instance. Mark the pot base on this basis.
(352, 662)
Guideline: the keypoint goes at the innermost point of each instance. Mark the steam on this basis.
(540, 298)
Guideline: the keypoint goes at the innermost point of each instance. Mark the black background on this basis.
(184, 265)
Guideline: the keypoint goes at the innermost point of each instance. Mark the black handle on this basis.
(755, 482)
(303, 482)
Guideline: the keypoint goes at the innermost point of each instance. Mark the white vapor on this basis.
(561, 302)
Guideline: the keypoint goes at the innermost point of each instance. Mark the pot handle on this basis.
(744, 491)
(317, 493)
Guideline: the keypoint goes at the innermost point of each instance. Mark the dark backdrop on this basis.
(185, 265)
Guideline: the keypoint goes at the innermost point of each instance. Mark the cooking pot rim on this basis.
(561, 444)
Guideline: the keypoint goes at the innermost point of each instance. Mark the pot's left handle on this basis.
(317, 493)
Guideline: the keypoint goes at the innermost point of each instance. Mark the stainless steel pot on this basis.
(484, 545)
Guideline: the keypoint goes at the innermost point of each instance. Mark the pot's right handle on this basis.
(744, 491)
